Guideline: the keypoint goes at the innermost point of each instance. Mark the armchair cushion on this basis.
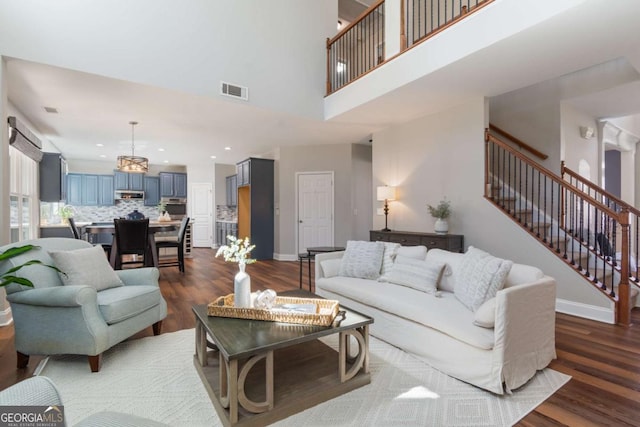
(86, 267)
(118, 304)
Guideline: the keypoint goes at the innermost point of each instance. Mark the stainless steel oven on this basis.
(176, 207)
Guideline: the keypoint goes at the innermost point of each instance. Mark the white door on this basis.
(315, 209)
(201, 207)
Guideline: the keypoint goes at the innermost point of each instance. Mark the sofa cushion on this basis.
(520, 274)
(389, 255)
(118, 304)
(417, 274)
(417, 252)
(362, 259)
(452, 260)
(88, 266)
(331, 267)
(445, 314)
(485, 315)
(479, 277)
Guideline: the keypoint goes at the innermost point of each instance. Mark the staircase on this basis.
(576, 220)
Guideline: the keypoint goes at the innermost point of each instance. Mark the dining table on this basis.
(110, 228)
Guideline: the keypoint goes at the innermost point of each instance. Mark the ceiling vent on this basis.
(234, 91)
(51, 110)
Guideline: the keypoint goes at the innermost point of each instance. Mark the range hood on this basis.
(129, 195)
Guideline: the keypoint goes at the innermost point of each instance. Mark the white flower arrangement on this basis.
(237, 251)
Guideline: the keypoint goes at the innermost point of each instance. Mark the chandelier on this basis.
(133, 163)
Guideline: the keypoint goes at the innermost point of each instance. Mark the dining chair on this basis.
(74, 228)
(132, 238)
(178, 244)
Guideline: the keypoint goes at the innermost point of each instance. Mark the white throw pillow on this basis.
(416, 274)
(485, 315)
(479, 277)
(416, 252)
(390, 250)
(331, 267)
(87, 266)
(362, 259)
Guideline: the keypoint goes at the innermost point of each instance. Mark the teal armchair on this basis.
(52, 318)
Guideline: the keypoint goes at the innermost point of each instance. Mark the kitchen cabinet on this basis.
(448, 242)
(74, 189)
(224, 229)
(256, 205)
(53, 177)
(244, 172)
(105, 190)
(128, 181)
(151, 190)
(173, 184)
(90, 190)
(232, 190)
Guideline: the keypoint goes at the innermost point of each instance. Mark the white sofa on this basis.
(440, 329)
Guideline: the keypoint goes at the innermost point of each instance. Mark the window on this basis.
(23, 192)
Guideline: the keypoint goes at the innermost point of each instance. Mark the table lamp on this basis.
(386, 194)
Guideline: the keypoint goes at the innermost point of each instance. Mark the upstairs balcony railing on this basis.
(363, 45)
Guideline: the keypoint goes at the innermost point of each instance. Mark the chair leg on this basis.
(23, 360)
(94, 362)
(157, 328)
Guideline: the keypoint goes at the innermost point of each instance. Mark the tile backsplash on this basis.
(108, 213)
(226, 213)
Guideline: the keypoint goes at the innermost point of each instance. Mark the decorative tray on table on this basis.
(306, 311)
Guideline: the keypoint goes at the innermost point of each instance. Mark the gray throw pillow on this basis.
(362, 259)
(479, 277)
(87, 266)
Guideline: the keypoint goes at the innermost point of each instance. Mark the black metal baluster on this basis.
(544, 210)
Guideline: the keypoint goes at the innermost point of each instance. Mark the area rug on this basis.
(154, 377)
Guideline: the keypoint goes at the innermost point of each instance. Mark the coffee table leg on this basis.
(361, 360)
(229, 387)
(248, 404)
(201, 344)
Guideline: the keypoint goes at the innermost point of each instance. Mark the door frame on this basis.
(333, 205)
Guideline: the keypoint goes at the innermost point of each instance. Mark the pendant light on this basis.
(133, 163)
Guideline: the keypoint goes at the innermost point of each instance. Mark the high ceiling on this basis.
(191, 128)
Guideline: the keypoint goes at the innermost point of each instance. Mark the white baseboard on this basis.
(600, 314)
(285, 257)
(5, 317)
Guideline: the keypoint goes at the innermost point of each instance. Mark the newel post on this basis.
(328, 67)
(487, 184)
(623, 308)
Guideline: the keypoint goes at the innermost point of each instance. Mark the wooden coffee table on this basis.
(260, 372)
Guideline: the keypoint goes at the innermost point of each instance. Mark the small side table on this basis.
(311, 254)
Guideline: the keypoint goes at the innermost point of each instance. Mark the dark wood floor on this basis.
(603, 360)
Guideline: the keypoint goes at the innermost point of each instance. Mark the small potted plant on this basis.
(441, 212)
(65, 212)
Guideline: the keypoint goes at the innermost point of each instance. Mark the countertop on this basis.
(227, 221)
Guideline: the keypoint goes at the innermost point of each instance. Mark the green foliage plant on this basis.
(9, 276)
(442, 210)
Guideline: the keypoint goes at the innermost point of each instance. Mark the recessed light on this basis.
(227, 148)
(99, 145)
(102, 155)
(213, 157)
(160, 149)
(166, 161)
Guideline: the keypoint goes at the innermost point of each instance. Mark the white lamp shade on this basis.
(386, 193)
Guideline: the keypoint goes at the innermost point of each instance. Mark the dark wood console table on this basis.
(448, 242)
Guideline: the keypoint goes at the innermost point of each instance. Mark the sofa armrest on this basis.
(324, 256)
(57, 296)
(34, 391)
(525, 329)
(139, 276)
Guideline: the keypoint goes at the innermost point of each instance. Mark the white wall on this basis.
(442, 155)
(189, 46)
(221, 172)
(360, 193)
(347, 180)
(574, 147)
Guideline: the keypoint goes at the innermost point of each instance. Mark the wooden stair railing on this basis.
(518, 142)
(359, 48)
(562, 217)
